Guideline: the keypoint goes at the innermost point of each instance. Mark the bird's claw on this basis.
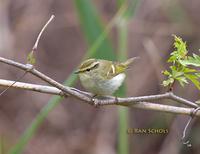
(96, 104)
(95, 101)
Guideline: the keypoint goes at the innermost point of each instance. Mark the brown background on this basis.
(73, 127)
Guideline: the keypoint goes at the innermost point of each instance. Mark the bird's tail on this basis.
(128, 62)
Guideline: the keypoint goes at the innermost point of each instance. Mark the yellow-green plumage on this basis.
(102, 77)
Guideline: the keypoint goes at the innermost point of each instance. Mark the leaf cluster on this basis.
(183, 68)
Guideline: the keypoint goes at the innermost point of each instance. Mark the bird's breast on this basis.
(100, 86)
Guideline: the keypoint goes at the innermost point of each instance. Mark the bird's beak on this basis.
(77, 71)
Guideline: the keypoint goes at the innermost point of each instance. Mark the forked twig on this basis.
(187, 142)
(30, 66)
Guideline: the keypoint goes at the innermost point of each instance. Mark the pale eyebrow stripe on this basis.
(108, 73)
(113, 68)
(91, 66)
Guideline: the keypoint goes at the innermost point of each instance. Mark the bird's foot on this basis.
(95, 101)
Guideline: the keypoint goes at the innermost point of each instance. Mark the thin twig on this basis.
(12, 84)
(40, 34)
(184, 133)
(29, 67)
(193, 113)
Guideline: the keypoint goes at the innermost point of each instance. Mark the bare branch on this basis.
(168, 95)
(65, 89)
(32, 87)
(164, 108)
(12, 84)
(140, 104)
(87, 96)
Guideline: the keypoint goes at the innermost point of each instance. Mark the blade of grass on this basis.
(120, 3)
(1, 145)
(123, 144)
(122, 28)
(92, 28)
(34, 125)
(92, 51)
(54, 101)
(176, 13)
(30, 131)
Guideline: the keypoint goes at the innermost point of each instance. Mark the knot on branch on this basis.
(29, 67)
(95, 102)
(194, 112)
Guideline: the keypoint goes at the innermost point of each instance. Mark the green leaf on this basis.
(198, 75)
(182, 80)
(180, 51)
(31, 58)
(168, 82)
(166, 73)
(193, 61)
(194, 79)
(175, 73)
(180, 46)
(188, 70)
(180, 70)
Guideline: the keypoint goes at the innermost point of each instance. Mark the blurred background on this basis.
(79, 30)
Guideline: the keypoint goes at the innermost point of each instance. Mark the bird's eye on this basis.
(87, 70)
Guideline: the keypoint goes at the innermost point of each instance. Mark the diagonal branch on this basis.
(138, 103)
(31, 61)
(88, 96)
(32, 87)
(65, 89)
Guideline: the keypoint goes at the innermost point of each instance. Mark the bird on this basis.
(102, 77)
